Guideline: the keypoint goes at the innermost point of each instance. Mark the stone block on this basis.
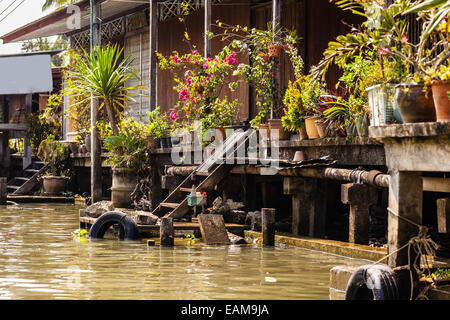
(146, 218)
(212, 227)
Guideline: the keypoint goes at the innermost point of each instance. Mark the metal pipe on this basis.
(372, 177)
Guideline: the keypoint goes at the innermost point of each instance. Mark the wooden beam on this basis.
(153, 59)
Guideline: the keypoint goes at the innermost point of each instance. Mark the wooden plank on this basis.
(169, 205)
(31, 183)
(213, 229)
(443, 215)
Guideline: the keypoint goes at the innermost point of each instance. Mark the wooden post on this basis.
(268, 226)
(153, 59)
(3, 190)
(207, 23)
(166, 232)
(96, 160)
(360, 197)
(443, 215)
(26, 161)
(405, 201)
(308, 206)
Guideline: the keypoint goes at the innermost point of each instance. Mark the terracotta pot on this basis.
(124, 181)
(414, 104)
(321, 128)
(276, 124)
(266, 58)
(302, 133)
(275, 50)
(264, 131)
(55, 185)
(151, 143)
(441, 98)
(311, 128)
(220, 134)
(299, 156)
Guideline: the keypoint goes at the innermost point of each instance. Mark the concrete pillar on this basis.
(268, 226)
(443, 215)
(308, 206)
(166, 232)
(360, 197)
(405, 200)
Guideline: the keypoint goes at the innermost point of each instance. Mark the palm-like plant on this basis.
(442, 12)
(103, 75)
(55, 3)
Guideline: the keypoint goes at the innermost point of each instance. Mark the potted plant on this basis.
(128, 160)
(53, 153)
(440, 87)
(294, 112)
(157, 128)
(222, 113)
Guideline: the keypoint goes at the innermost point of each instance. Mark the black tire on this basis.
(128, 228)
(373, 282)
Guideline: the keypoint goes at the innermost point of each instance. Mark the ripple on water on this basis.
(40, 260)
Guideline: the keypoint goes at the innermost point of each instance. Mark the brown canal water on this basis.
(39, 259)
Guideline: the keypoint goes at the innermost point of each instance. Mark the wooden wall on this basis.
(170, 38)
(316, 21)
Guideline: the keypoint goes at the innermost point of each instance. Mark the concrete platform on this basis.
(330, 246)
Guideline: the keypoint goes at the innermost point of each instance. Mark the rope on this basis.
(423, 246)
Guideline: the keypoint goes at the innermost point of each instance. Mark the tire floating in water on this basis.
(373, 282)
(128, 228)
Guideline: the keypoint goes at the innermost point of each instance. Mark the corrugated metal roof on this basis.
(23, 74)
(61, 21)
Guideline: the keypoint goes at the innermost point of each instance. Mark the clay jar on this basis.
(415, 103)
(441, 98)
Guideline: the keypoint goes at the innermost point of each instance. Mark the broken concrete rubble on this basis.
(97, 209)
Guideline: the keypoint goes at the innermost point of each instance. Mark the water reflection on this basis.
(39, 259)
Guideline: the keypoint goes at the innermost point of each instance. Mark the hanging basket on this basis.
(275, 50)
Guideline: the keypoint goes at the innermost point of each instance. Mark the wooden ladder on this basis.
(205, 177)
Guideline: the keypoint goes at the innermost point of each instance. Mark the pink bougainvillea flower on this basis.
(194, 52)
(173, 114)
(205, 65)
(188, 81)
(184, 94)
(195, 61)
(383, 51)
(405, 39)
(204, 194)
(176, 59)
(231, 59)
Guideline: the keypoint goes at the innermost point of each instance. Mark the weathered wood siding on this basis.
(137, 46)
(317, 22)
(170, 38)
